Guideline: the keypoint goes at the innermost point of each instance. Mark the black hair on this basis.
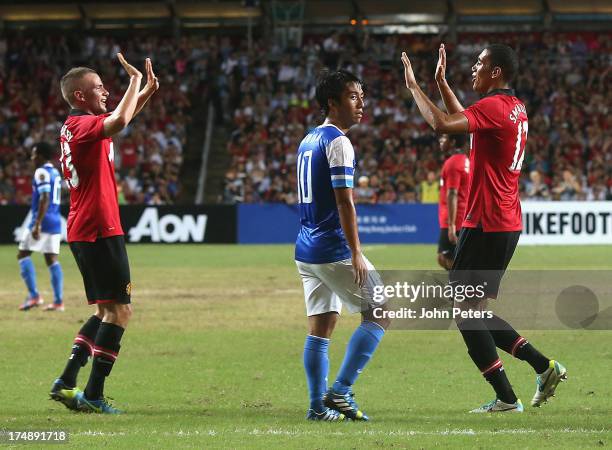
(331, 84)
(458, 139)
(506, 59)
(44, 149)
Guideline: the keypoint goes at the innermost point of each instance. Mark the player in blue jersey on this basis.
(43, 234)
(328, 252)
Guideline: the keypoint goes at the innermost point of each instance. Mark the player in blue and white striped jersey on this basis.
(43, 234)
(328, 252)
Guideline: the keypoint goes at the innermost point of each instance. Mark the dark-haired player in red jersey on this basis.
(492, 226)
(454, 181)
(95, 235)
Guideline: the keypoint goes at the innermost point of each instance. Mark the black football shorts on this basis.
(481, 258)
(105, 269)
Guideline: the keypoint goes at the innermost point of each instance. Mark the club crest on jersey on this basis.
(128, 289)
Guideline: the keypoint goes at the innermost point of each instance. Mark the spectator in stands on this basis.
(596, 192)
(409, 196)
(363, 192)
(429, 189)
(233, 188)
(568, 188)
(535, 188)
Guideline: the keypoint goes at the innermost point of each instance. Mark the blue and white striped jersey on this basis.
(325, 160)
(47, 179)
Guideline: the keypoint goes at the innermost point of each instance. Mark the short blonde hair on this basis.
(69, 82)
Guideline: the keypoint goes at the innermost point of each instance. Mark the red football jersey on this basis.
(455, 174)
(88, 167)
(498, 127)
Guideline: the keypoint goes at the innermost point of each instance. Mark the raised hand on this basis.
(152, 81)
(441, 67)
(130, 69)
(408, 72)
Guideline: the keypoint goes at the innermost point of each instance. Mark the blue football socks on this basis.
(316, 365)
(57, 282)
(29, 275)
(359, 350)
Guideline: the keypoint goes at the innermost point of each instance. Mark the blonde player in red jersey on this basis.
(95, 235)
(493, 223)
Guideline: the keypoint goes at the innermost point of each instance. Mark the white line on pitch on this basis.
(277, 431)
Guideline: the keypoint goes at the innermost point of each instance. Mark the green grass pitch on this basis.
(212, 359)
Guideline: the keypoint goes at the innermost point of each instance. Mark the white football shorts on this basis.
(47, 243)
(328, 286)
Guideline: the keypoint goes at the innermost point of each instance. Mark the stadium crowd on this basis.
(148, 154)
(269, 97)
(267, 94)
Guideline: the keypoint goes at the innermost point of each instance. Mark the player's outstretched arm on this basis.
(124, 112)
(348, 221)
(150, 88)
(437, 119)
(448, 96)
